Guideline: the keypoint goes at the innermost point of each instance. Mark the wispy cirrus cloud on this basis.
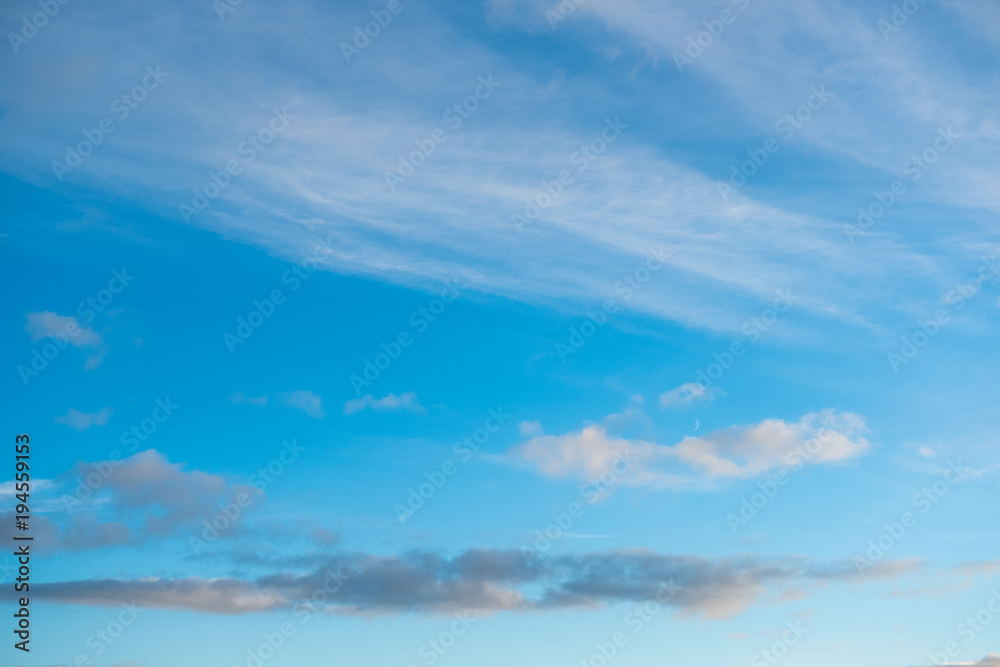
(457, 207)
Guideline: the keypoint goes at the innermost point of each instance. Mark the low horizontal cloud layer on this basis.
(483, 581)
(991, 660)
(735, 452)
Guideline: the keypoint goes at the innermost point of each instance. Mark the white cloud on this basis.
(300, 399)
(306, 401)
(453, 216)
(746, 451)
(9, 489)
(66, 329)
(735, 452)
(330, 164)
(390, 403)
(927, 452)
(687, 394)
(589, 453)
(239, 399)
(49, 324)
(530, 428)
(81, 421)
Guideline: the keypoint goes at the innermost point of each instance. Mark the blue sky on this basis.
(509, 332)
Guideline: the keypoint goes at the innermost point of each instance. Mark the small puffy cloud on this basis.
(688, 394)
(927, 452)
(308, 402)
(530, 428)
(592, 453)
(81, 421)
(390, 403)
(47, 324)
(301, 399)
(67, 329)
(239, 399)
(150, 497)
(735, 452)
(585, 453)
(147, 480)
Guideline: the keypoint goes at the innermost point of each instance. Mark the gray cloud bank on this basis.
(483, 581)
